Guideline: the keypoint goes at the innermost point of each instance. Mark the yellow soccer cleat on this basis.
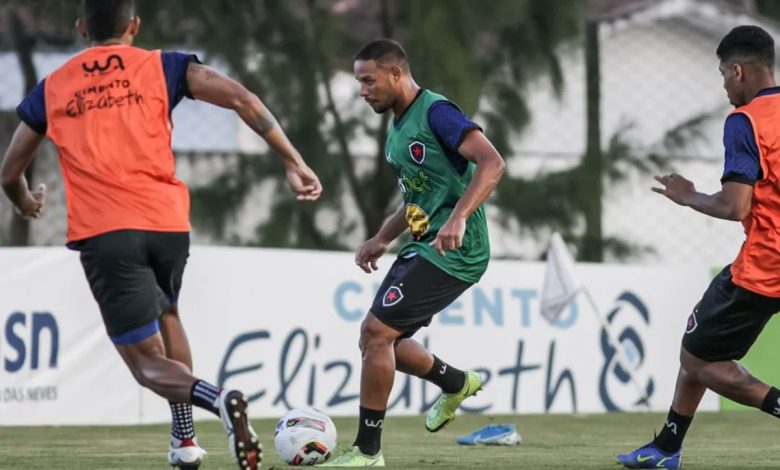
(443, 411)
(355, 458)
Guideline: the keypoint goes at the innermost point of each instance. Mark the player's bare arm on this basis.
(211, 86)
(490, 167)
(18, 157)
(372, 249)
(393, 226)
(732, 202)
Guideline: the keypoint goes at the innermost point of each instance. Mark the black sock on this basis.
(450, 379)
(204, 395)
(369, 437)
(181, 421)
(671, 436)
(771, 404)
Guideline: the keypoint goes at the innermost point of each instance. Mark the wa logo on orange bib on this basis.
(122, 89)
(97, 68)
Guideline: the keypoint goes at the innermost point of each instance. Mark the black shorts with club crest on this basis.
(413, 291)
(135, 275)
(727, 320)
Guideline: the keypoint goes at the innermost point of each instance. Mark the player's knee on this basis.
(376, 347)
(690, 364)
(375, 336)
(143, 378)
(143, 367)
(369, 331)
(372, 340)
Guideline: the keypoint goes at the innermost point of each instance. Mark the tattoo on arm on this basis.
(201, 72)
(209, 74)
(206, 72)
(264, 121)
(256, 115)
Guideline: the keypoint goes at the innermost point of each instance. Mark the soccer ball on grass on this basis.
(305, 436)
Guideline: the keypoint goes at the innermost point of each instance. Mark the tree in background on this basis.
(30, 25)
(290, 52)
(482, 55)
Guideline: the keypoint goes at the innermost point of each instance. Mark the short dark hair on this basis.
(748, 43)
(107, 19)
(380, 50)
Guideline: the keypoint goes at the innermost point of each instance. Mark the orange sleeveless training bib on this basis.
(757, 267)
(107, 113)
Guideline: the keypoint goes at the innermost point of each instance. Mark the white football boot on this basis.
(185, 454)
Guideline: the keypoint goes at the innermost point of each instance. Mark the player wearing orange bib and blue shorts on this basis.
(108, 112)
(744, 296)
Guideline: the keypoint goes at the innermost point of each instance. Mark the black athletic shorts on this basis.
(413, 291)
(135, 275)
(727, 320)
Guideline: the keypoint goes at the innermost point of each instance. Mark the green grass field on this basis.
(728, 440)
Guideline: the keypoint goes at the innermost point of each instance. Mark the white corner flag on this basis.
(561, 286)
(560, 283)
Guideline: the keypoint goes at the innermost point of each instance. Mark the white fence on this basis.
(283, 326)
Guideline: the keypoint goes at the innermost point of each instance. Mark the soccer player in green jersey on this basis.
(446, 169)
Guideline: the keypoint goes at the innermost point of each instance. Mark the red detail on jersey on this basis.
(392, 296)
(417, 151)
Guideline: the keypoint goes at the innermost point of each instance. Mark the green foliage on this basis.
(289, 51)
(556, 201)
(488, 52)
(770, 8)
(482, 55)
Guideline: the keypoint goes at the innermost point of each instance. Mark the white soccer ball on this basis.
(305, 436)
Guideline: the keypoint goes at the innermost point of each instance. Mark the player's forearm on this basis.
(260, 119)
(16, 189)
(18, 157)
(486, 177)
(393, 226)
(716, 205)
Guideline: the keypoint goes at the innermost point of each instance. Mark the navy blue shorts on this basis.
(727, 320)
(413, 291)
(135, 275)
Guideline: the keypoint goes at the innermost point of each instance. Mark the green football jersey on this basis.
(431, 187)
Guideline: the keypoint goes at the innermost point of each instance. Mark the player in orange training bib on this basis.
(108, 112)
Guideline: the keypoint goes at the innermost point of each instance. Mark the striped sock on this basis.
(181, 421)
(206, 396)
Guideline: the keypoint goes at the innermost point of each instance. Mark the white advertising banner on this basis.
(283, 326)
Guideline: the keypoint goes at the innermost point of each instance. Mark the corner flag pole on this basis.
(621, 352)
(561, 286)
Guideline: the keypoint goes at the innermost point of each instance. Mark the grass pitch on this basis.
(728, 440)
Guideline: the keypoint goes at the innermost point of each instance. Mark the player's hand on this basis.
(368, 253)
(304, 182)
(676, 188)
(32, 206)
(450, 236)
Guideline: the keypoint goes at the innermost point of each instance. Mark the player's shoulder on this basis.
(178, 60)
(445, 110)
(178, 54)
(172, 53)
(738, 122)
